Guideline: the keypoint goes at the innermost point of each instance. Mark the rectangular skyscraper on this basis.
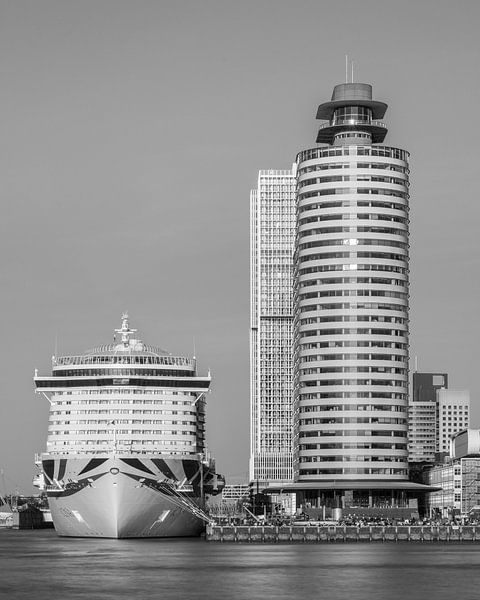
(453, 416)
(423, 415)
(272, 233)
(435, 415)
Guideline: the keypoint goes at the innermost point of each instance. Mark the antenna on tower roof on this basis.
(346, 68)
(352, 71)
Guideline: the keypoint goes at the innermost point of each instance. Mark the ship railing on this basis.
(118, 359)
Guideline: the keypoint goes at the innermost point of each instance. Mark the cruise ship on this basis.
(126, 453)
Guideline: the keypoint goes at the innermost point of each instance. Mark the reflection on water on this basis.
(38, 564)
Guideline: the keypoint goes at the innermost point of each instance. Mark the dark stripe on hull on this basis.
(93, 464)
(164, 468)
(48, 468)
(137, 464)
(61, 469)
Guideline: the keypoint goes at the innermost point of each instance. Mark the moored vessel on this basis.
(126, 452)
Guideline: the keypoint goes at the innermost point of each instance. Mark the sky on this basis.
(131, 133)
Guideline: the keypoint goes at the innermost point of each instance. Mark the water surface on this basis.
(41, 566)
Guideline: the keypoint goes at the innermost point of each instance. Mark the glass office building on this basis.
(272, 233)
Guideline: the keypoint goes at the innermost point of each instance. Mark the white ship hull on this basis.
(123, 497)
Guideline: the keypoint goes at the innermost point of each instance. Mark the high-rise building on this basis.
(453, 416)
(423, 416)
(435, 415)
(351, 297)
(350, 325)
(426, 385)
(272, 233)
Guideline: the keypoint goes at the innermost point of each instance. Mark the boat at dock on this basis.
(126, 450)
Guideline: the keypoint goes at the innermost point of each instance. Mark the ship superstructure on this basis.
(126, 453)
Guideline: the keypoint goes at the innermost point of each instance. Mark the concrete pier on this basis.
(270, 534)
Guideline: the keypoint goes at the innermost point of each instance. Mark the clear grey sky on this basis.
(131, 133)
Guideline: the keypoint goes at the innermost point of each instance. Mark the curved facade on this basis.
(351, 297)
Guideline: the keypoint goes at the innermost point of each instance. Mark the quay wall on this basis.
(270, 534)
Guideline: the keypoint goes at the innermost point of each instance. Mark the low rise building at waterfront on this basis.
(458, 479)
(460, 489)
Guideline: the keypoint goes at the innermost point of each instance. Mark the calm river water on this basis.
(39, 565)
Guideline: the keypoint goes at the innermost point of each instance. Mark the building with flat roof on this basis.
(466, 443)
(453, 416)
(272, 234)
(459, 493)
(436, 413)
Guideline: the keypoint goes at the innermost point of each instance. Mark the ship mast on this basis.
(125, 331)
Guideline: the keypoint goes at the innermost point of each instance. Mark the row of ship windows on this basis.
(122, 371)
(352, 433)
(124, 411)
(124, 431)
(352, 165)
(113, 401)
(122, 359)
(60, 382)
(329, 151)
(138, 442)
(301, 196)
(121, 421)
(130, 391)
(333, 178)
(353, 255)
(348, 407)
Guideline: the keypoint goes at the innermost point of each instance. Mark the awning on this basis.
(408, 486)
